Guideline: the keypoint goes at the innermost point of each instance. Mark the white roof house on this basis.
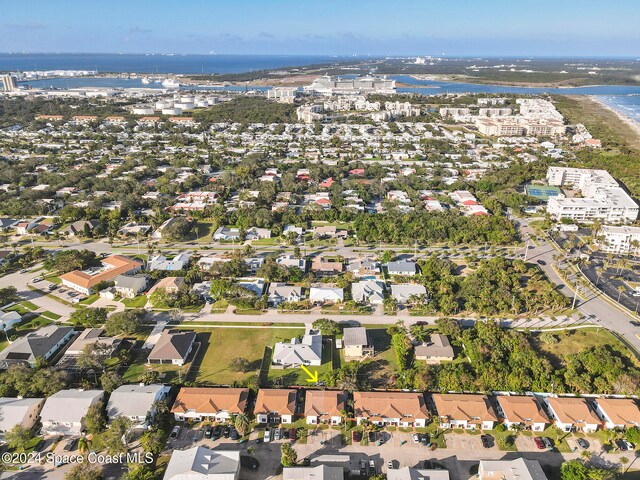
(135, 402)
(403, 267)
(201, 463)
(402, 293)
(296, 352)
(319, 472)
(63, 412)
(280, 292)
(19, 411)
(326, 295)
(518, 469)
(9, 319)
(408, 473)
(160, 262)
(368, 291)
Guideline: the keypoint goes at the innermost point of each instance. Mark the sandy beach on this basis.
(633, 124)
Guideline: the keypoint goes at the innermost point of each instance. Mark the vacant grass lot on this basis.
(575, 341)
(221, 345)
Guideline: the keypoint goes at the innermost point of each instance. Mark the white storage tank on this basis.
(143, 110)
(172, 111)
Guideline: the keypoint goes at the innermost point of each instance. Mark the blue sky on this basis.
(342, 27)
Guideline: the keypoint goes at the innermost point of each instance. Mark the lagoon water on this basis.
(625, 99)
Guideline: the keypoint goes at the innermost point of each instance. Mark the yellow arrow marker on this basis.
(313, 377)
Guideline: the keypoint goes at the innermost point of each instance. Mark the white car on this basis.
(267, 435)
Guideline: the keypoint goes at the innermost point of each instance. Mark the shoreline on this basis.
(629, 121)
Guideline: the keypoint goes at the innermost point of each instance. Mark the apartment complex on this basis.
(619, 239)
(602, 197)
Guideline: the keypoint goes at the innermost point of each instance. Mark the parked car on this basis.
(226, 431)
(356, 436)
(487, 440)
(547, 442)
(216, 432)
(372, 466)
(416, 437)
(39, 446)
(306, 462)
(267, 435)
(233, 435)
(582, 443)
(622, 445)
(174, 433)
(293, 434)
(390, 465)
(276, 434)
(208, 432)
(539, 443)
(285, 434)
(36, 280)
(363, 467)
(372, 437)
(69, 445)
(541, 262)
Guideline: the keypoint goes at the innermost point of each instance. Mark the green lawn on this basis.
(379, 368)
(50, 315)
(297, 376)
(33, 324)
(267, 241)
(136, 302)
(53, 279)
(219, 346)
(89, 300)
(30, 305)
(168, 373)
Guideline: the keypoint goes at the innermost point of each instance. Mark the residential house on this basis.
(296, 352)
(225, 234)
(517, 469)
(522, 412)
(321, 266)
(128, 286)
(364, 267)
(136, 402)
(410, 473)
(469, 412)
(43, 343)
(219, 404)
(201, 463)
(9, 319)
(619, 413)
(173, 346)
(19, 411)
(325, 406)
(80, 228)
(398, 409)
(168, 284)
(112, 266)
(329, 232)
(255, 233)
(319, 472)
(63, 412)
(406, 292)
(159, 232)
(573, 414)
(437, 349)
(368, 291)
(324, 295)
(356, 343)
(255, 286)
(275, 406)
(404, 267)
(160, 262)
(280, 293)
(90, 336)
(290, 261)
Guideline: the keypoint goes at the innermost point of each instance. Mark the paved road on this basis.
(595, 306)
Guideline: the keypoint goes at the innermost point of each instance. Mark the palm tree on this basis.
(621, 289)
(242, 424)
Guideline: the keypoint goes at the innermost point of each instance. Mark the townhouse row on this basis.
(399, 409)
(412, 409)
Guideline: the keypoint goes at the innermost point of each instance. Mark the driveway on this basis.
(154, 336)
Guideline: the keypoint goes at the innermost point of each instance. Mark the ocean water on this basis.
(160, 64)
(628, 105)
(436, 87)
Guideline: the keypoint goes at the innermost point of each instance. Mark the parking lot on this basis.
(63, 293)
(467, 442)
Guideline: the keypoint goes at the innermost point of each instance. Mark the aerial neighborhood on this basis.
(330, 282)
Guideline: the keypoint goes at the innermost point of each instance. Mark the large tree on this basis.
(18, 437)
